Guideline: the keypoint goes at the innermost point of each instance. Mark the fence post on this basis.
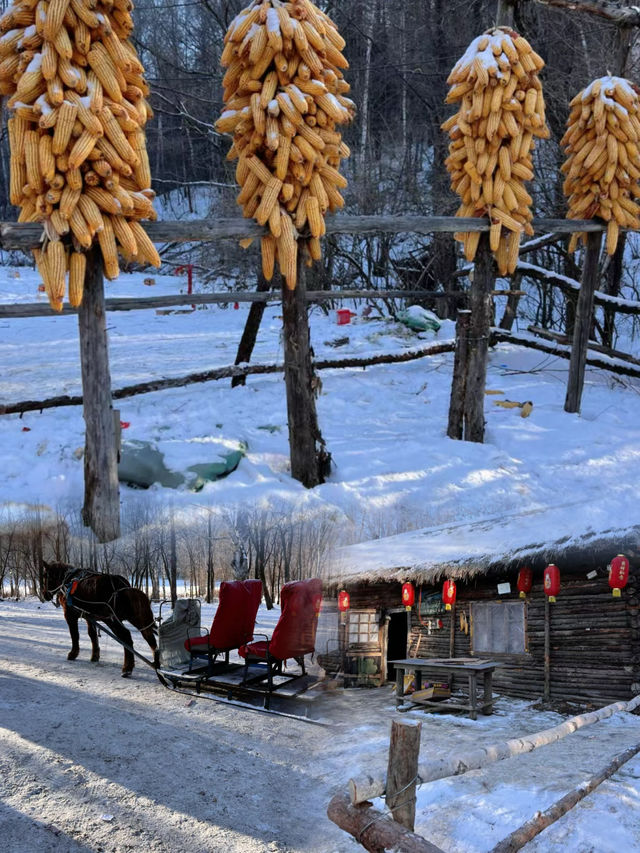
(481, 303)
(459, 382)
(582, 327)
(402, 772)
(101, 510)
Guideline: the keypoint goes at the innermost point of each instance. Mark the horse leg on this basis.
(95, 646)
(124, 635)
(72, 622)
(140, 615)
(150, 637)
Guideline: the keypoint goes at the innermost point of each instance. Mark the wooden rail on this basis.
(28, 235)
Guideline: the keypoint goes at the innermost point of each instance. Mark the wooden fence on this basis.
(309, 457)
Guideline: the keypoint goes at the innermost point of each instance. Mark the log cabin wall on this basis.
(594, 637)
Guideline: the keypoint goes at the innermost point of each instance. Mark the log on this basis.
(27, 235)
(582, 329)
(519, 837)
(550, 335)
(368, 788)
(374, 830)
(250, 332)
(500, 336)
(228, 372)
(402, 772)
(101, 510)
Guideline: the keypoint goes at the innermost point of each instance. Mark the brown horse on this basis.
(108, 598)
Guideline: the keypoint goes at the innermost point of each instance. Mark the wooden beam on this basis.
(582, 328)
(572, 287)
(40, 309)
(101, 510)
(550, 335)
(459, 381)
(28, 235)
(481, 304)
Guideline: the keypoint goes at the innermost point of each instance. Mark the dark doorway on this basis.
(396, 641)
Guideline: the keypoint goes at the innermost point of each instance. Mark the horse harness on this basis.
(66, 590)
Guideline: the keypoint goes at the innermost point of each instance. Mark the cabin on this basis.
(583, 648)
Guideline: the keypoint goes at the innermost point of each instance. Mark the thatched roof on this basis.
(572, 535)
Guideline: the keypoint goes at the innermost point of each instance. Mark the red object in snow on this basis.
(236, 305)
(295, 634)
(618, 574)
(125, 424)
(26, 429)
(234, 620)
(343, 316)
(188, 268)
(408, 595)
(525, 581)
(344, 601)
(551, 582)
(449, 594)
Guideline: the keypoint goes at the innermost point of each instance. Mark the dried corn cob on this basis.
(603, 157)
(77, 91)
(284, 69)
(492, 135)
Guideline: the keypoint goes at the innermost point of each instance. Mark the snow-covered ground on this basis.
(92, 762)
(385, 426)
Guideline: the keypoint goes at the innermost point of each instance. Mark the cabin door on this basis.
(397, 636)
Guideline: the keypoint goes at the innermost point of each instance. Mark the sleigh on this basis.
(229, 659)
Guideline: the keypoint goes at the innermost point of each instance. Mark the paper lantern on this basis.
(525, 581)
(551, 582)
(618, 574)
(408, 595)
(449, 594)
(344, 601)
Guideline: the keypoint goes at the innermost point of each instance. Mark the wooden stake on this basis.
(547, 650)
(533, 827)
(101, 510)
(402, 772)
(250, 333)
(310, 460)
(582, 328)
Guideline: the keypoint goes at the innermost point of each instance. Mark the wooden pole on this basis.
(504, 14)
(402, 772)
(547, 649)
(250, 333)
(582, 328)
(517, 839)
(459, 381)
(310, 460)
(101, 510)
(483, 284)
(373, 829)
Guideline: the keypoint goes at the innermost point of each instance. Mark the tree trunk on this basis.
(459, 383)
(310, 460)
(513, 300)
(250, 333)
(101, 510)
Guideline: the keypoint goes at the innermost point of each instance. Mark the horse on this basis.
(109, 598)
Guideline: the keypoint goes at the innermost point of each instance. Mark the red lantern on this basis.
(525, 581)
(618, 574)
(551, 582)
(408, 595)
(344, 601)
(449, 594)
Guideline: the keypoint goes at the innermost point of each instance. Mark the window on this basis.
(363, 628)
(498, 627)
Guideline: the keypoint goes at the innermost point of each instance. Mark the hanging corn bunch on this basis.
(492, 136)
(78, 153)
(284, 96)
(603, 161)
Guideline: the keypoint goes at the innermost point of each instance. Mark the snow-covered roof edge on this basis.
(567, 535)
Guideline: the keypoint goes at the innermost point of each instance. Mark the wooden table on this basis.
(472, 667)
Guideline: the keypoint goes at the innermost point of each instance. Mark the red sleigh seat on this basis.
(295, 634)
(233, 622)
